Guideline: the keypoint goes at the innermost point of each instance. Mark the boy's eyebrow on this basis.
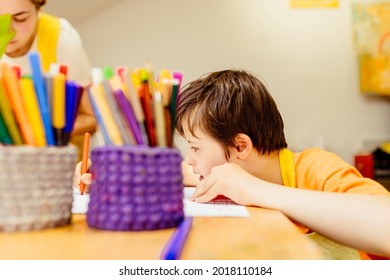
(191, 142)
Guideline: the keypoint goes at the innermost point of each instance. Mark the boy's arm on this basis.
(357, 220)
(360, 221)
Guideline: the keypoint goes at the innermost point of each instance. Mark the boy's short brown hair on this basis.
(225, 103)
(38, 3)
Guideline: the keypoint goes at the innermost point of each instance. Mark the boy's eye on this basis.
(20, 19)
(194, 149)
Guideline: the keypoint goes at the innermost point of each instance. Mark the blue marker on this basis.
(39, 85)
(175, 244)
(107, 140)
(70, 99)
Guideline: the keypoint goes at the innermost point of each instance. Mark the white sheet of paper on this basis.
(215, 208)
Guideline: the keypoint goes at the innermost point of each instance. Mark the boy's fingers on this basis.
(86, 178)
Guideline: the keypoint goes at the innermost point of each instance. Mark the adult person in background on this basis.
(57, 42)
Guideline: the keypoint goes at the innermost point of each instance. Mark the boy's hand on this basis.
(5, 34)
(229, 180)
(86, 177)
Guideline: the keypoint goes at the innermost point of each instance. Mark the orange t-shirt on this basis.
(320, 170)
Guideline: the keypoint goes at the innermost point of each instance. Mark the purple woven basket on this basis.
(135, 188)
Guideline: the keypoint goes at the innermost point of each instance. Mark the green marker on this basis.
(172, 105)
(4, 135)
(8, 117)
(5, 34)
(108, 72)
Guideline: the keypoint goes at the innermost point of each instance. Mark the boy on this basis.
(238, 149)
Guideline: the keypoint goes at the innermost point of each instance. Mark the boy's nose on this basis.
(189, 159)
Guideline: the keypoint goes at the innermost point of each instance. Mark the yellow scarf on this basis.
(48, 33)
(330, 248)
(287, 168)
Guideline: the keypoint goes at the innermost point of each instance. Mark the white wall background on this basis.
(305, 56)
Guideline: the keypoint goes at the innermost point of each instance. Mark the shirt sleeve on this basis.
(324, 171)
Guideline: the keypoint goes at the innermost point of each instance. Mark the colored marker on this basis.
(70, 107)
(173, 105)
(134, 101)
(101, 78)
(58, 108)
(11, 85)
(64, 70)
(40, 90)
(146, 101)
(4, 135)
(128, 115)
(159, 119)
(127, 135)
(98, 116)
(175, 244)
(107, 117)
(8, 116)
(178, 76)
(84, 164)
(32, 110)
(48, 77)
(108, 72)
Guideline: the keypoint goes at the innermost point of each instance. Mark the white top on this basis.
(70, 52)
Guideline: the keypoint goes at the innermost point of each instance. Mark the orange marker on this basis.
(84, 163)
(12, 88)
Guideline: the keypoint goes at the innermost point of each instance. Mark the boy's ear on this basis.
(243, 145)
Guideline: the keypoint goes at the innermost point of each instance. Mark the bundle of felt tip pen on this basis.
(138, 182)
(37, 112)
(37, 108)
(131, 107)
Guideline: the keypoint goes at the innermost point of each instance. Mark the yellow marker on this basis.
(32, 110)
(159, 119)
(165, 85)
(164, 74)
(58, 107)
(108, 119)
(150, 74)
(136, 77)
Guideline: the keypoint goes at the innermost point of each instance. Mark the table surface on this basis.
(266, 234)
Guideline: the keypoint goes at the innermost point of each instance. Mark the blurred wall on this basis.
(305, 56)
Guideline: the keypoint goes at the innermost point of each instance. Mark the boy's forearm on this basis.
(345, 218)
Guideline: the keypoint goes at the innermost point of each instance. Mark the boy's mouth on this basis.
(201, 178)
